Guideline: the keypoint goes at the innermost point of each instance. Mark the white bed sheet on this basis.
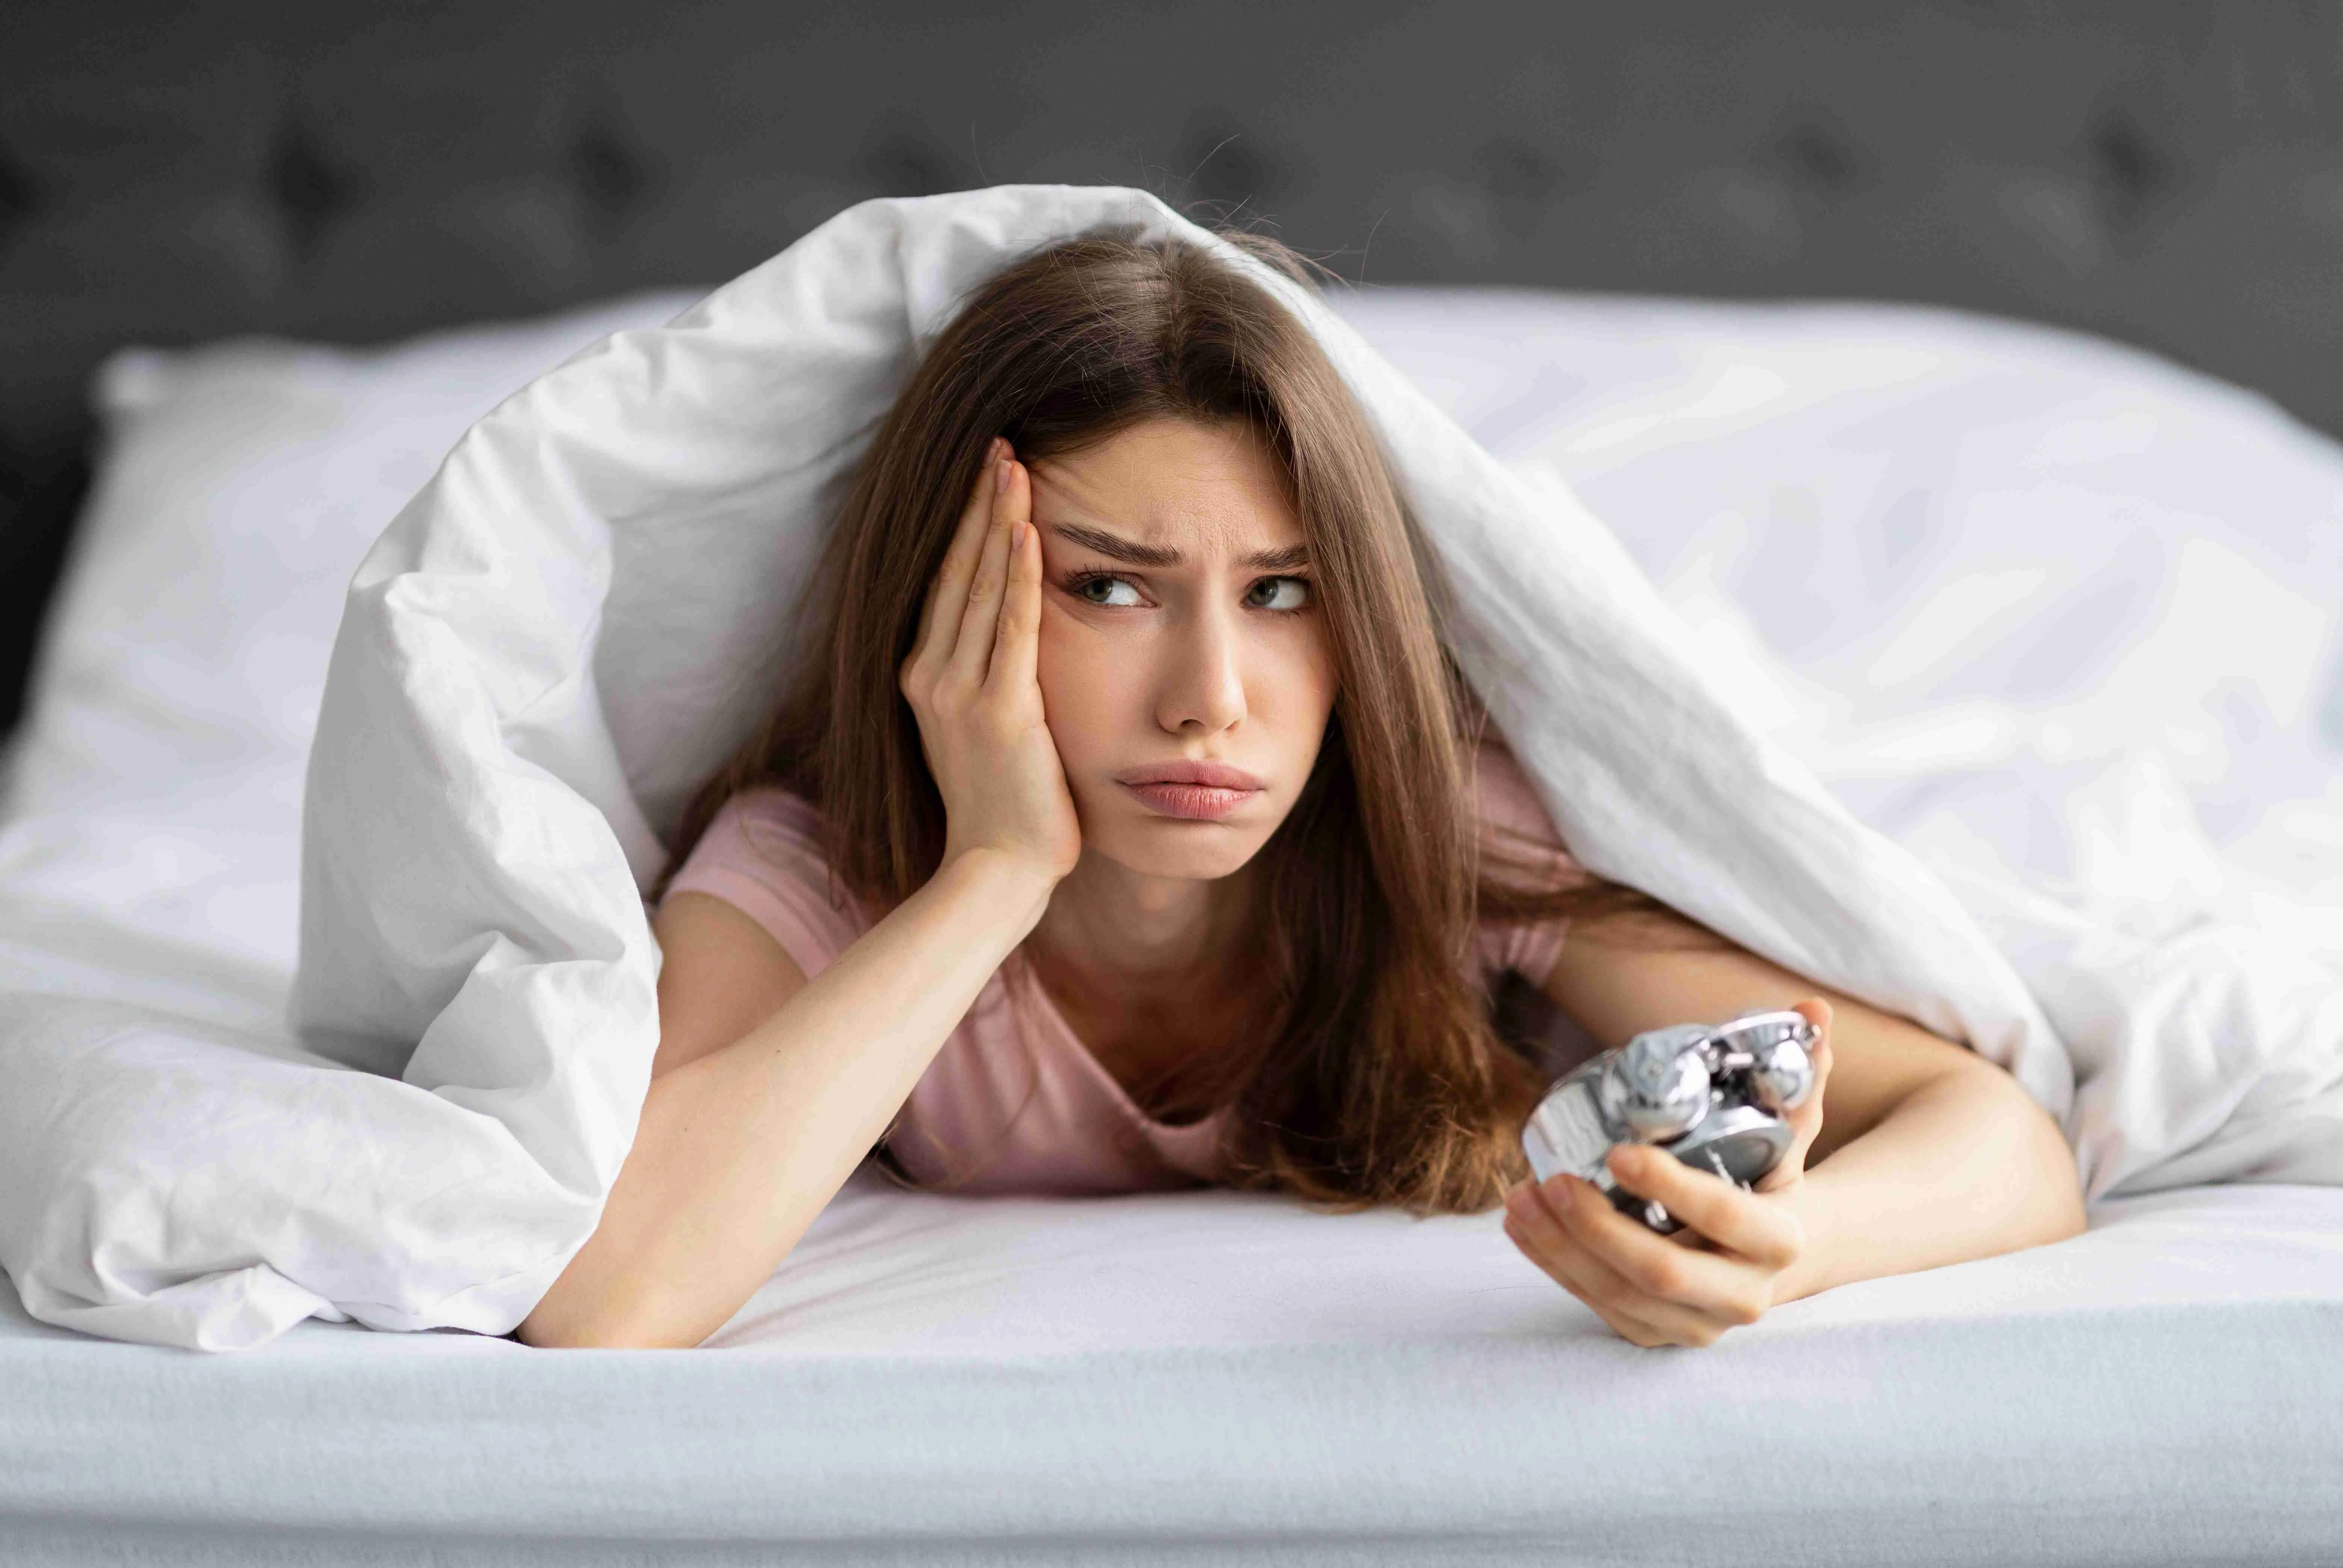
(1216, 1377)
(1209, 1377)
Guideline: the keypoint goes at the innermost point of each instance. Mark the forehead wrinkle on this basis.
(1132, 552)
(1213, 520)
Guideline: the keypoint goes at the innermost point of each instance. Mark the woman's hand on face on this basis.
(1722, 1270)
(971, 683)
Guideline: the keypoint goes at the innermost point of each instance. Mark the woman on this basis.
(1139, 831)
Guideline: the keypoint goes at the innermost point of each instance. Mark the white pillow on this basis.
(172, 1167)
(155, 785)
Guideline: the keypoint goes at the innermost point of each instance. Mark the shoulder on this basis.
(1519, 842)
(764, 853)
(766, 825)
(1508, 803)
(770, 808)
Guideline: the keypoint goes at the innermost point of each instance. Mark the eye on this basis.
(1288, 596)
(1081, 587)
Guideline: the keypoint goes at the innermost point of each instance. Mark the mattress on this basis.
(2030, 604)
(1220, 1377)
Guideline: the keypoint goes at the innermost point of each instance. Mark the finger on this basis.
(962, 554)
(1818, 1013)
(1619, 1319)
(1708, 1203)
(1642, 1319)
(1681, 1320)
(1017, 654)
(1808, 1117)
(1550, 1243)
(948, 589)
(1542, 1238)
(1713, 1283)
(979, 620)
(1806, 1121)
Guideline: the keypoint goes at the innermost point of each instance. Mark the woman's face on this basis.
(1179, 625)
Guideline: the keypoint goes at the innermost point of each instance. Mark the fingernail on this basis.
(1000, 476)
(993, 450)
(1017, 536)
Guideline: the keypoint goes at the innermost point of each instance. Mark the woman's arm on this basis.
(740, 1147)
(1927, 1154)
(1970, 1156)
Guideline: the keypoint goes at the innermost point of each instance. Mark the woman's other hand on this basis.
(1723, 1270)
(970, 681)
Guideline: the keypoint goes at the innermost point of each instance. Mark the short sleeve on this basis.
(1513, 819)
(762, 854)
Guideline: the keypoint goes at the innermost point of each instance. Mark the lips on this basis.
(1196, 791)
(1213, 775)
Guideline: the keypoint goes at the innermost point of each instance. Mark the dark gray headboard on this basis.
(2164, 171)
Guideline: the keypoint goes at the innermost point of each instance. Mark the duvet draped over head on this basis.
(577, 619)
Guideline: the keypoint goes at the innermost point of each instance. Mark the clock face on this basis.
(1738, 1142)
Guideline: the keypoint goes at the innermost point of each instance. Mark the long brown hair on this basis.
(1376, 1073)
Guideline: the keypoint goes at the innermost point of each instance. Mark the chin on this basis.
(1167, 847)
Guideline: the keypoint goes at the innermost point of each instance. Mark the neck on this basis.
(1109, 928)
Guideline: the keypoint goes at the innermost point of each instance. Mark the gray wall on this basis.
(2169, 173)
(2165, 171)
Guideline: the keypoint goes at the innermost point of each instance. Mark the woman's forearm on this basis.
(1966, 1166)
(737, 1153)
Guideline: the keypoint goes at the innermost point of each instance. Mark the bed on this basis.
(2029, 603)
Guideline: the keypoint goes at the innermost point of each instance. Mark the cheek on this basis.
(1306, 673)
(1076, 692)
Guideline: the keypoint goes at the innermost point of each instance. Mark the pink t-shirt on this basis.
(1014, 1102)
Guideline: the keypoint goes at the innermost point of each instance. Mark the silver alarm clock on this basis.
(1714, 1095)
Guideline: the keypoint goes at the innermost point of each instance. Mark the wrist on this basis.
(1019, 888)
(1815, 1270)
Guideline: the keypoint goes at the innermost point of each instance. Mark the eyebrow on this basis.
(1131, 552)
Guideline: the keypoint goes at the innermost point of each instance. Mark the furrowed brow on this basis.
(1290, 557)
(1116, 548)
(1131, 552)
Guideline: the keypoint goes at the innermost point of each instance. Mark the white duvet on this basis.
(581, 610)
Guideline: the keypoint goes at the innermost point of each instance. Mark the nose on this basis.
(1202, 690)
